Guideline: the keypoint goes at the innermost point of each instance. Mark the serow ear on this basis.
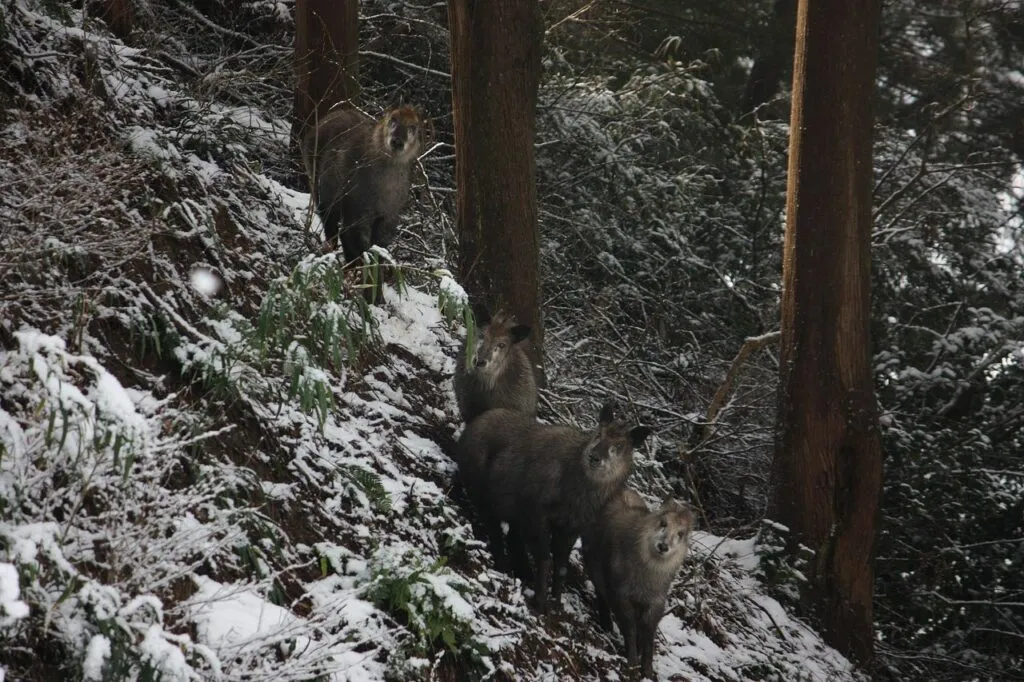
(691, 516)
(519, 332)
(671, 504)
(481, 314)
(638, 434)
(607, 412)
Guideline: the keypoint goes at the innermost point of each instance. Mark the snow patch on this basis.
(11, 606)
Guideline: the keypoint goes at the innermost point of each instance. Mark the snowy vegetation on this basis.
(216, 462)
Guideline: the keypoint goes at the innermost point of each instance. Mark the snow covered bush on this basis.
(310, 328)
(100, 462)
(11, 607)
(948, 288)
(433, 603)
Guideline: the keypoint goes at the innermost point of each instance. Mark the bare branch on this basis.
(987, 361)
(198, 16)
(750, 345)
(410, 65)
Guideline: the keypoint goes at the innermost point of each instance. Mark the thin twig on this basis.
(396, 60)
(197, 15)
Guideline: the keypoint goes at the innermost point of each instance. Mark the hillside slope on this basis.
(215, 461)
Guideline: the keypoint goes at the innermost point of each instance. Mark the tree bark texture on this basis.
(496, 65)
(828, 459)
(326, 59)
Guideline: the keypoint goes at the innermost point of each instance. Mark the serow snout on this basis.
(663, 547)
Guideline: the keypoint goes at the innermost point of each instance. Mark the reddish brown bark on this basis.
(828, 461)
(496, 53)
(326, 58)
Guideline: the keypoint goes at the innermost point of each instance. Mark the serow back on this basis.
(550, 482)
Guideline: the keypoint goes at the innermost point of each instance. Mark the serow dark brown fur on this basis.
(360, 172)
(496, 372)
(631, 556)
(548, 482)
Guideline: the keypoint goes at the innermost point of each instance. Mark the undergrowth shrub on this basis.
(431, 601)
(94, 460)
(310, 330)
(453, 302)
(781, 571)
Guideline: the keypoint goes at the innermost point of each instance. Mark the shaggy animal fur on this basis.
(632, 555)
(360, 171)
(548, 482)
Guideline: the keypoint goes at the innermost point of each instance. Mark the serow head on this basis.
(405, 133)
(494, 344)
(670, 527)
(610, 454)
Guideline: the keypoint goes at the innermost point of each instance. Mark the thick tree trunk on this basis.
(496, 53)
(828, 459)
(326, 58)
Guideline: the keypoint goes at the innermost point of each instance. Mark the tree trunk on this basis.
(828, 459)
(496, 53)
(326, 59)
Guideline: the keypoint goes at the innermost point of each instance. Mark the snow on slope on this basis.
(192, 489)
(240, 631)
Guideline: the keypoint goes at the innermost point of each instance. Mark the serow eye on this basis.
(501, 345)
